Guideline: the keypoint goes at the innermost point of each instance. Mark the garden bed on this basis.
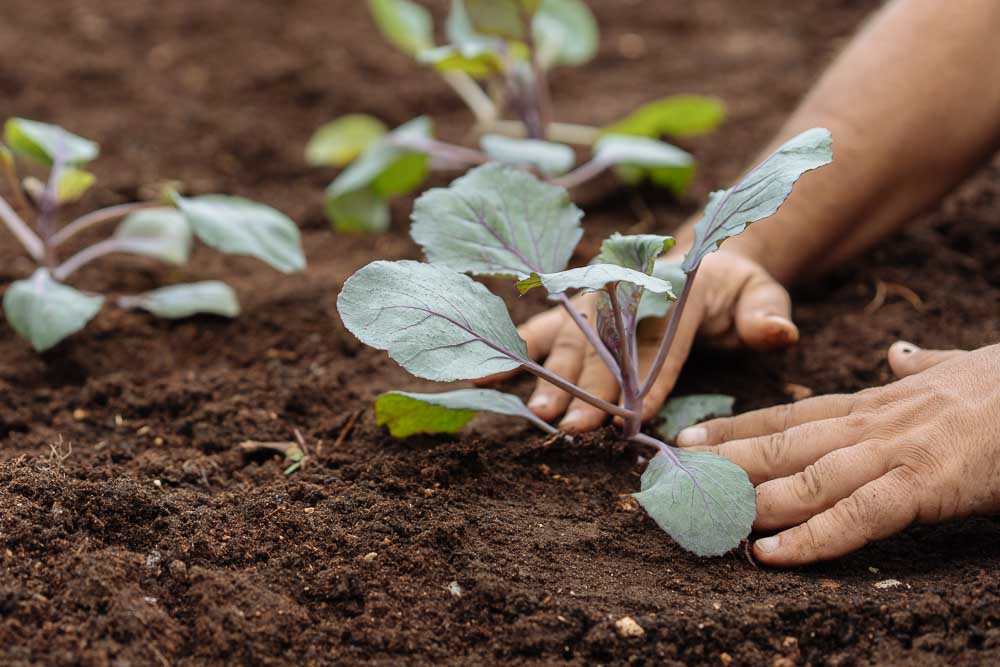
(134, 530)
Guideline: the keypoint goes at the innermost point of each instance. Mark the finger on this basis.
(764, 315)
(539, 333)
(784, 453)
(566, 360)
(907, 359)
(766, 421)
(875, 511)
(598, 380)
(789, 501)
(665, 380)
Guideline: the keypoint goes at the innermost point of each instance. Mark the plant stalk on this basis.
(22, 232)
(630, 372)
(97, 217)
(567, 133)
(585, 172)
(595, 341)
(451, 154)
(663, 448)
(86, 256)
(475, 98)
(570, 388)
(668, 336)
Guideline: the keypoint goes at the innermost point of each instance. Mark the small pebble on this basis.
(80, 414)
(725, 659)
(627, 627)
(888, 583)
(369, 557)
(455, 589)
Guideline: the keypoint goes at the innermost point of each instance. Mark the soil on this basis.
(134, 531)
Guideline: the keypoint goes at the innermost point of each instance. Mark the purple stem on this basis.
(570, 388)
(86, 256)
(665, 449)
(22, 232)
(582, 174)
(668, 336)
(595, 341)
(630, 373)
(97, 217)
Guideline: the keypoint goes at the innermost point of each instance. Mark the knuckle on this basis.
(771, 450)
(782, 416)
(917, 460)
(857, 513)
(808, 485)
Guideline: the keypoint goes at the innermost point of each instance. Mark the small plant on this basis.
(45, 310)
(441, 325)
(498, 59)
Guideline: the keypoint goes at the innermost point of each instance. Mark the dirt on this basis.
(133, 531)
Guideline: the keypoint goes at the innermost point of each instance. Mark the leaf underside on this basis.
(679, 413)
(408, 414)
(45, 312)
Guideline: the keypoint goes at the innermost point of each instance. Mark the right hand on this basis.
(733, 302)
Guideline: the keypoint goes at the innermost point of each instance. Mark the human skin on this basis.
(913, 105)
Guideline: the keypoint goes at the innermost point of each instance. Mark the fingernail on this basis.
(768, 544)
(907, 348)
(785, 328)
(692, 437)
(539, 403)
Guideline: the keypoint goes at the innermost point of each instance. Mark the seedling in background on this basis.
(440, 324)
(45, 310)
(498, 59)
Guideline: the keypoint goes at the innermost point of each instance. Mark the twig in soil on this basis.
(347, 428)
(556, 437)
(749, 554)
(884, 289)
(294, 453)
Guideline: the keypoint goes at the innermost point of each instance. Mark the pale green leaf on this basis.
(162, 233)
(386, 168)
(620, 149)
(679, 413)
(434, 322)
(45, 142)
(405, 24)
(566, 32)
(676, 116)
(498, 18)
(497, 220)
(476, 60)
(340, 142)
(358, 211)
(658, 305)
(241, 227)
(408, 414)
(759, 194)
(178, 301)
(45, 312)
(73, 183)
(592, 278)
(549, 158)
(703, 501)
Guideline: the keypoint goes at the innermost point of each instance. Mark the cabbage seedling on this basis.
(45, 310)
(440, 324)
(498, 59)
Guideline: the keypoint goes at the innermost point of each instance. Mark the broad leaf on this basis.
(677, 116)
(479, 61)
(340, 142)
(46, 143)
(679, 413)
(408, 414)
(73, 183)
(497, 220)
(549, 158)
(179, 301)
(592, 278)
(406, 24)
(703, 501)
(359, 211)
(620, 149)
(565, 32)
(498, 18)
(45, 312)
(759, 194)
(436, 323)
(162, 233)
(658, 305)
(241, 227)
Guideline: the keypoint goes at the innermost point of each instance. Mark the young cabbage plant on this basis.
(45, 310)
(498, 59)
(440, 324)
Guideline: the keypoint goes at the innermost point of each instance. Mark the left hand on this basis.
(836, 472)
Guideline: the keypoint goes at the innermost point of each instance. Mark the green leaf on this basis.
(44, 142)
(359, 211)
(45, 312)
(703, 501)
(435, 323)
(178, 301)
(619, 149)
(497, 220)
(340, 142)
(566, 32)
(408, 414)
(499, 18)
(658, 305)
(241, 227)
(477, 60)
(162, 233)
(677, 116)
(549, 158)
(759, 194)
(679, 413)
(73, 184)
(592, 278)
(405, 24)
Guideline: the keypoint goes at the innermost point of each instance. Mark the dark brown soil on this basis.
(133, 530)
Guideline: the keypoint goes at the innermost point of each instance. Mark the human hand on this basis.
(836, 472)
(733, 301)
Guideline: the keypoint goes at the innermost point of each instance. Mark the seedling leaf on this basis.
(45, 312)
(676, 116)
(405, 24)
(499, 18)
(45, 142)
(620, 149)
(73, 184)
(759, 194)
(703, 501)
(436, 323)
(241, 227)
(179, 301)
(592, 278)
(477, 60)
(162, 233)
(566, 32)
(549, 158)
(497, 220)
(679, 413)
(408, 414)
(359, 211)
(658, 305)
(340, 142)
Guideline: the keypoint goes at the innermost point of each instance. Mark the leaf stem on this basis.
(452, 155)
(570, 388)
(669, 334)
(602, 350)
(22, 232)
(97, 217)
(14, 184)
(664, 448)
(567, 133)
(630, 372)
(475, 98)
(582, 174)
(86, 256)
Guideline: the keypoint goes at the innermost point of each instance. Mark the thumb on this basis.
(907, 359)
(764, 314)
